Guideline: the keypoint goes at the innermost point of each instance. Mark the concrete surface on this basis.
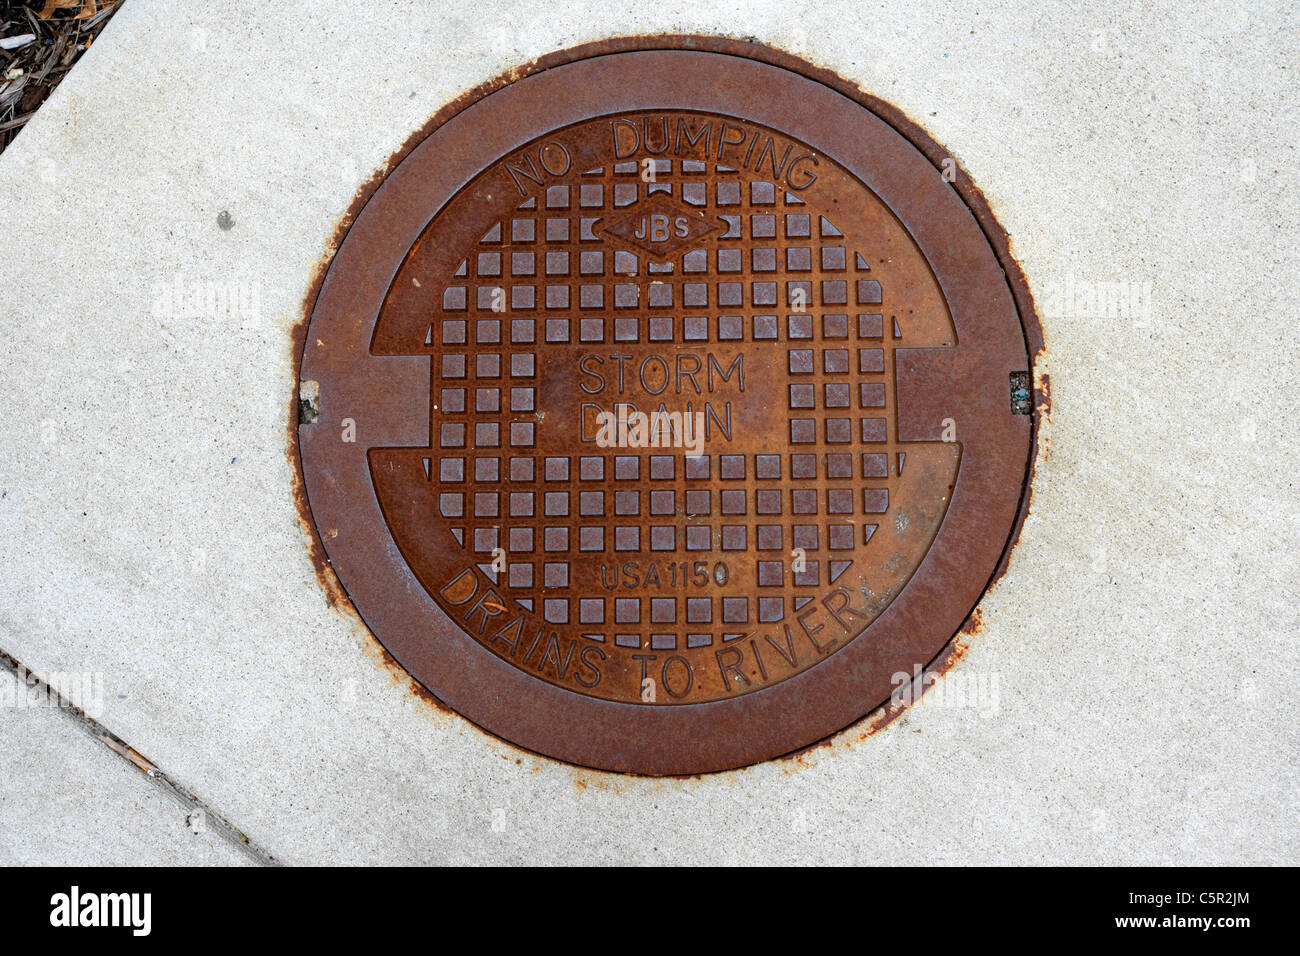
(69, 799)
(1142, 643)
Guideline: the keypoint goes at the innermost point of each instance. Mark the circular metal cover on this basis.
(665, 409)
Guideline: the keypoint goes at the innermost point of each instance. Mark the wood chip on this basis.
(18, 42)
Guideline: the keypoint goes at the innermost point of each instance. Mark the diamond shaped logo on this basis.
(661, 226)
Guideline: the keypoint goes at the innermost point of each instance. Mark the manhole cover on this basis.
(661, 409)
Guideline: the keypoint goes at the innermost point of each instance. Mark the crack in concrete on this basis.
(188, 801)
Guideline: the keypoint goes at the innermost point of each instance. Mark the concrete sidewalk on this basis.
(1142, 641)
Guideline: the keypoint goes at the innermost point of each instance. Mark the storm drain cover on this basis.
(660, 409)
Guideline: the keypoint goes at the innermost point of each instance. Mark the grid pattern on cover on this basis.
(781, 284)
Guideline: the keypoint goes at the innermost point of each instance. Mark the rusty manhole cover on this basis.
(665, 408)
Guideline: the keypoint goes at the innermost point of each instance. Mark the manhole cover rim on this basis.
(545, 718)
